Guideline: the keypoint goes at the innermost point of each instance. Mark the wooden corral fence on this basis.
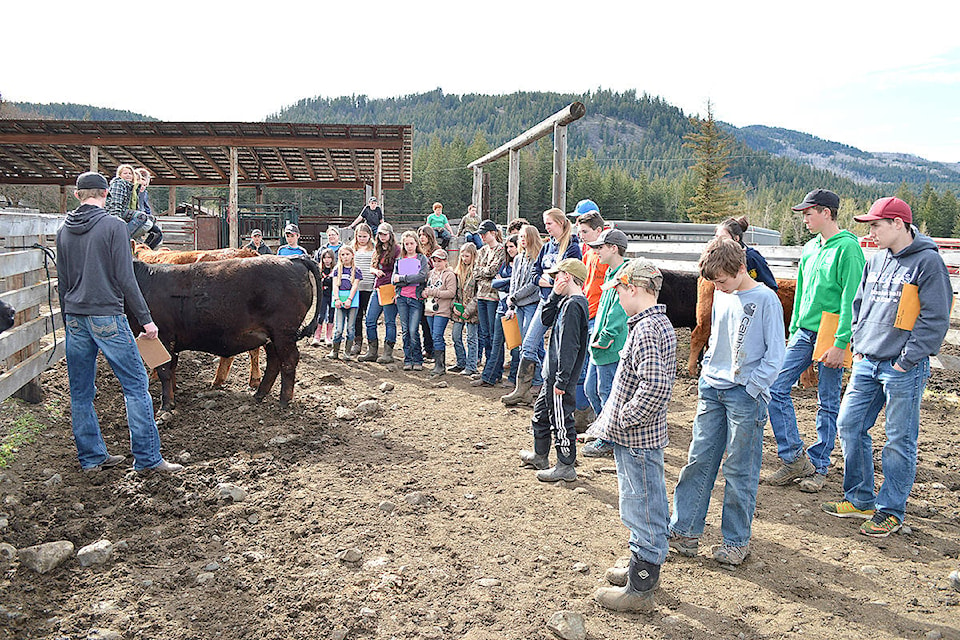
(28, 284)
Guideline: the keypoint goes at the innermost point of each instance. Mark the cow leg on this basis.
(270, 373)
(254, 368)
(698, 340)
(223, 370)
(166, 374)
(289, 357)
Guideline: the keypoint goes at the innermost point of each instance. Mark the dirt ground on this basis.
(417, 522)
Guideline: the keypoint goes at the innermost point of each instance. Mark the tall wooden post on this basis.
(94, 158)
(559, 199)
(259, 196)
(378, 175)
(234, 202)
(513, 187)
(172, 200)
(477, 197)
(63, 198)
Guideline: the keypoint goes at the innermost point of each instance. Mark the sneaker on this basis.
(845, 509)
(417, 366)
(813, 483)
(110, 462)
(165, 467)
(468, 372)
(480, 383)
(729, 554)
(790, 471)
(684, 545)
(455, 369)
(880, 525)
(407, 366)
(598, 449)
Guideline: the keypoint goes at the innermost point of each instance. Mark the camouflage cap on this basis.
(639, 272)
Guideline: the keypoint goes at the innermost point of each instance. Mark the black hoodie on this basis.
(95, 266)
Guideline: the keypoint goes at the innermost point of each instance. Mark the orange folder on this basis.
(909, 308)
(386, 293)
(826, 334)
(511, 332)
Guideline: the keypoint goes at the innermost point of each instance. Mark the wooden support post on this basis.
(513, 187)
(560, 167)
(259, 197)
(94, 158)
(234, 200)
(378, 175)
(172, 200)
(63, 198)
(477, 197)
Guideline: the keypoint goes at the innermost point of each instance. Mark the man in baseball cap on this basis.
(901, 314)
(292, 234)
(566, 312)
(830, 268)
(257, 244)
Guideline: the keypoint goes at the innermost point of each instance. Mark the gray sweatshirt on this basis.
(878, 297)
(95, 266)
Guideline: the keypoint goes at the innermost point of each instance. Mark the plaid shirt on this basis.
(635, 415)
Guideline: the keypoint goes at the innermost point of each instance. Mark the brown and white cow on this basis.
(143, 253)
(231, 306)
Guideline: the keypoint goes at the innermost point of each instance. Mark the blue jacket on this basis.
(548, 258)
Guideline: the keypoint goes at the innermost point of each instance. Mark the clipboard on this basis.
(826, 334)
(153, 352)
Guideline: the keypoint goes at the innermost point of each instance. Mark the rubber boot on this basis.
(387, 356)
(562, 471)
(371, 354)
(637, 594)
(439, 364)
(524, 379)
(335, 354)
(329, 326)
(317, 336)
(357, 346)
(534, 459)
(348, 350)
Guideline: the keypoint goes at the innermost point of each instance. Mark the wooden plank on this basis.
(155, 141)
(29, 224)
(31, 296)
(23, 335)
(17, 262)
(13, 380)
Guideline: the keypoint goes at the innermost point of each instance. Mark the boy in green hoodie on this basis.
(831, 267)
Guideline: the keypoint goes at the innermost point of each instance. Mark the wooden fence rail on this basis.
(28, 283)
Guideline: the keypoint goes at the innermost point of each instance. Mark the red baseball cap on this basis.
(888, 209)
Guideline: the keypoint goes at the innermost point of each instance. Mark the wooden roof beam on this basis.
(185, 160)
(308, 164)
(331, 164)
(356, 165)
(213, 163)
(162, 140)
(240, 169)
(18, 161)
(283, 163)
(158, 158)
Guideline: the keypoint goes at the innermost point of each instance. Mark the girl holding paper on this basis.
(385, 255)
(346, 280)
(409, 278)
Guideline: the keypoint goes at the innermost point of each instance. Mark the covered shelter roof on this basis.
(278, 154)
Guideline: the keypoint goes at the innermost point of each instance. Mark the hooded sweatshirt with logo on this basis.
(878, 298)
(829, 274)
(95, 266)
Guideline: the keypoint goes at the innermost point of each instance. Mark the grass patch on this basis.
(23, 432)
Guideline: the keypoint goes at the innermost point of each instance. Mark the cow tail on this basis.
(315, 270)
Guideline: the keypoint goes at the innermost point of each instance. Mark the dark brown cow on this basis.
(144, 253)
(229, 307)
(7, 314)
(679, 293)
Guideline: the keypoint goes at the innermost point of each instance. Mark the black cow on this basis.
(6, 316)
(229, 307)
(679, 293)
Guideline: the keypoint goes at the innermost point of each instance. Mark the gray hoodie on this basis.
(95, 266)
(878, 297)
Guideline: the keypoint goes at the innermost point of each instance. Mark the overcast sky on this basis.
(881, 76)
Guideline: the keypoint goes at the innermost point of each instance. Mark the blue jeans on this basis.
(872, 385)
(409, 310)
(487, 315)
(643, 501)
(599, 382)
(466, 358)
(438, 326)
(532, 347)
(111, 335)
(728, 420)
(389, 319)
(783, 418)
(343, 321)
(475, 238)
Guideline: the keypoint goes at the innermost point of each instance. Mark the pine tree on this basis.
(713, 199)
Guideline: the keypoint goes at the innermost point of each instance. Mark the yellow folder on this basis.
(909, 307)
(826, 335)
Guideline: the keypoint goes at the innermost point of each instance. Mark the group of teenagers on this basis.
(883, 319)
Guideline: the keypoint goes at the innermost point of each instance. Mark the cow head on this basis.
(6, 316)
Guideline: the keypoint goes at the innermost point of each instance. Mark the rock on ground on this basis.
(46, 557)
(97, 553)
(568, 625)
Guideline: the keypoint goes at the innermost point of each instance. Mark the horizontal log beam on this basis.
(568, 114)
(213, 182)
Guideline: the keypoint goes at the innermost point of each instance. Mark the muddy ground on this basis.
(451, 538)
